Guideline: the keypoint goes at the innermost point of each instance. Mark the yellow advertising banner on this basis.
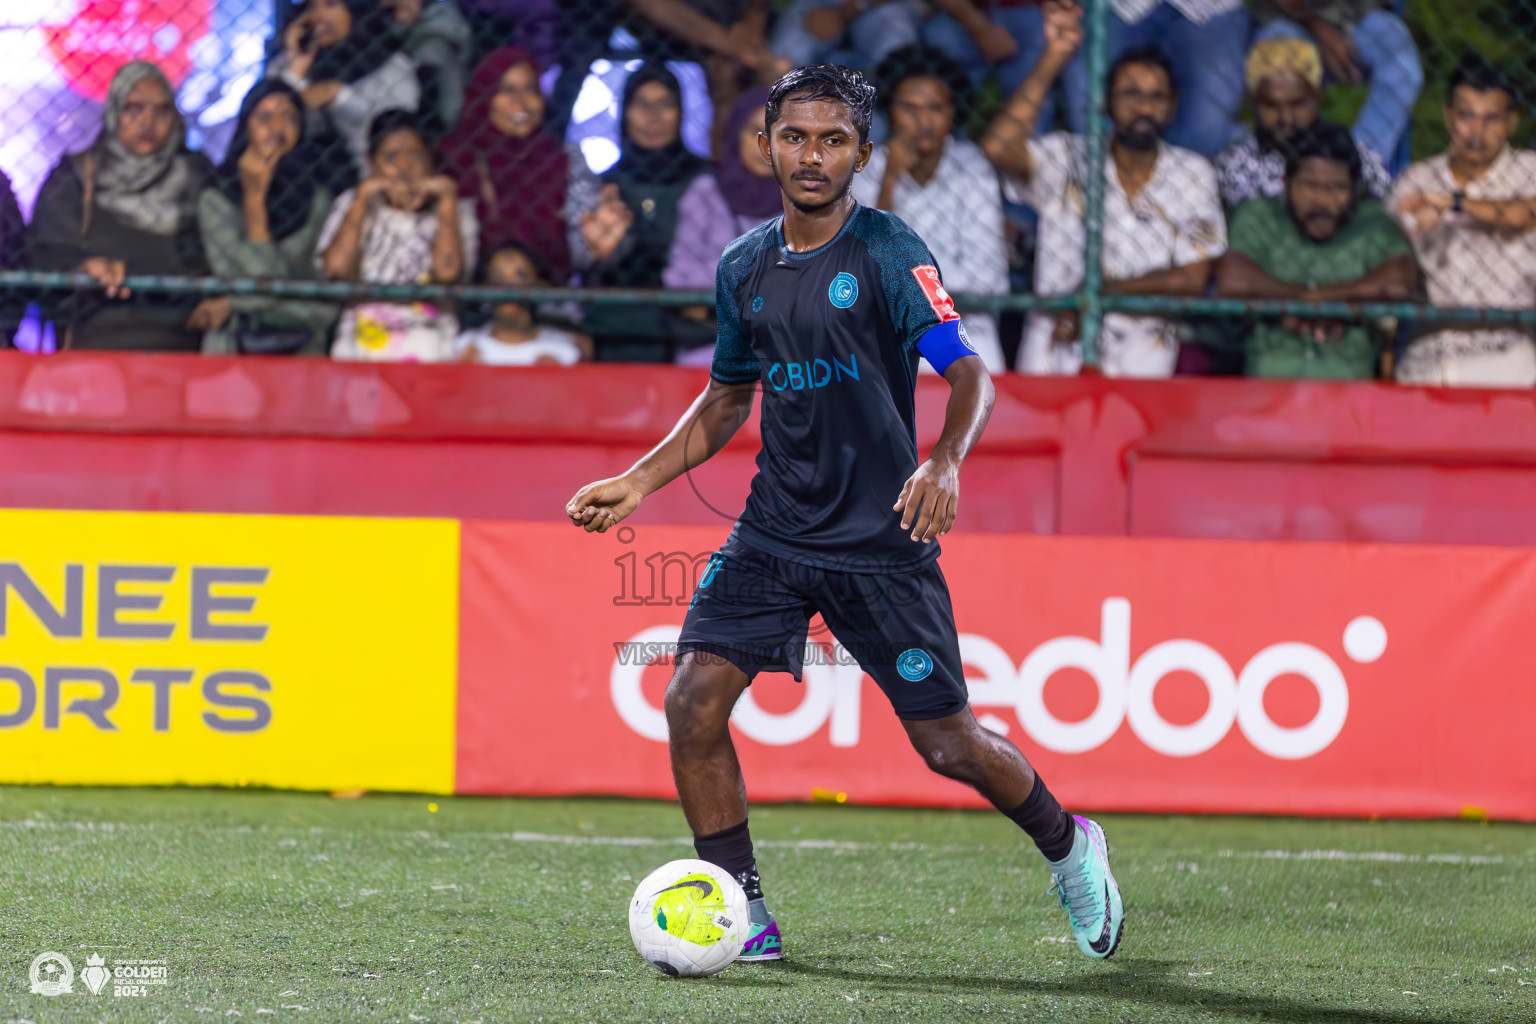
(295, 652)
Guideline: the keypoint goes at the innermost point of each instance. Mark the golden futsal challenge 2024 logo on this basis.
(52, 974)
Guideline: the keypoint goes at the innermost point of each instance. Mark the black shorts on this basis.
(754, 610)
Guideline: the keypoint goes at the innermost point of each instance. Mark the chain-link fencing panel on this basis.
(407, 179)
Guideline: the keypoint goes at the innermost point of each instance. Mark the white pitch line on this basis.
(1386, 856)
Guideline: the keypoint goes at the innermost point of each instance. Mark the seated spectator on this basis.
(404, 224)
(1284, 76)
(13, 256)
(527, 187)
(857, 33)
(1162, 216)
(1471, 212)
(343, 56)
(1209, 37)
(716, 210)
(1321, 242)
(513, 338)
(941, 185)
(261, 217)
(127, 205)
(1007, 36)
(436, 38)
(1360, 40)
(627, 239)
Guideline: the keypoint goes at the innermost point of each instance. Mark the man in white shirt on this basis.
(1471, 212)
(942, 186)
(1163, 224)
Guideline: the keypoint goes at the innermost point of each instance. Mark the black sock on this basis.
(1046, 823)
(731, 849)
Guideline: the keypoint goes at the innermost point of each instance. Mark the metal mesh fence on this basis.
(1315, 188)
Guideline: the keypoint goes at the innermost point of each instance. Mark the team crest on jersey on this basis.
(844, 290)
(933, 290)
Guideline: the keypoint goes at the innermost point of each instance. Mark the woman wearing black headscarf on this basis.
(344, 57)
(629, 235)
(261, 217)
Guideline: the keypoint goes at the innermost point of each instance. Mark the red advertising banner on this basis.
(1137, 674)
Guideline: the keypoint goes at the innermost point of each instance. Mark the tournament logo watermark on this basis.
(52, 974)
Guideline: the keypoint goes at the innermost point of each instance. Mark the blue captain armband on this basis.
(944, 343)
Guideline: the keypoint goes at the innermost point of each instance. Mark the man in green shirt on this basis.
(1318, 242)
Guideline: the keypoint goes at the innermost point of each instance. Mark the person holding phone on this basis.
(344, 58)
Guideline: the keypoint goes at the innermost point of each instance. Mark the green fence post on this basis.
(1091, 298)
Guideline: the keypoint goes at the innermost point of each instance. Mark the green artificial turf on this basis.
(295, 907)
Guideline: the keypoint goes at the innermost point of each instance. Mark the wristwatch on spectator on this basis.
(1458, 201)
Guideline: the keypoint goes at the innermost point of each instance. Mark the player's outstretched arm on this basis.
(931, 497)
(710, 422)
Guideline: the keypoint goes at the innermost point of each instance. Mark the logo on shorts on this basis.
(757, 304)
(914, 665)
(844, 290)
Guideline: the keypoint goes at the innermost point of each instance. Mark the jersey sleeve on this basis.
(734, 362)
(915, 299)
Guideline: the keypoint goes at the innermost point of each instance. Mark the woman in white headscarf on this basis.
(127, 205)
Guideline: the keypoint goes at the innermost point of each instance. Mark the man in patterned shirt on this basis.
(1284, 76)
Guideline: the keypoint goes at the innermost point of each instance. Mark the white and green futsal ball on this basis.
(689, 919)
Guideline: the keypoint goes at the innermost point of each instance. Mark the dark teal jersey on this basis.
(832, 337)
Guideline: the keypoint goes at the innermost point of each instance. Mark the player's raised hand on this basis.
(599, 506)
(929, 500)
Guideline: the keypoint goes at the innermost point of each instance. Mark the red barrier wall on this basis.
(1212, 458)
(1147, 675)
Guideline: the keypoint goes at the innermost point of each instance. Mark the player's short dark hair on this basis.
(825, 82)
(1142, 56)
(919, 61)
(1479, 74)
(386, 122)
(1325, 140)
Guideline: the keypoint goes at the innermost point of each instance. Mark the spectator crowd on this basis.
(404, 142)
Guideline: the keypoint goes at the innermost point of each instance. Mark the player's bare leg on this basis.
(958, 747)
(710, 785)
(699, 700)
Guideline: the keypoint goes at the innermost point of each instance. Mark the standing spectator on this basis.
(513, 337)
(1284, 76)
(1471, 212)
(127, 205)
(436, 39)
(343, 56)
(1321, 242)
(1007, 36)
(1162, 216)
(528, 188)
(13, 256)
(628, 238)
(858, 33)
(404, 224)
(261, 217)
(1359, 40)
(716, 210)
(1209, 37)
(942, 186)
(725, 36)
